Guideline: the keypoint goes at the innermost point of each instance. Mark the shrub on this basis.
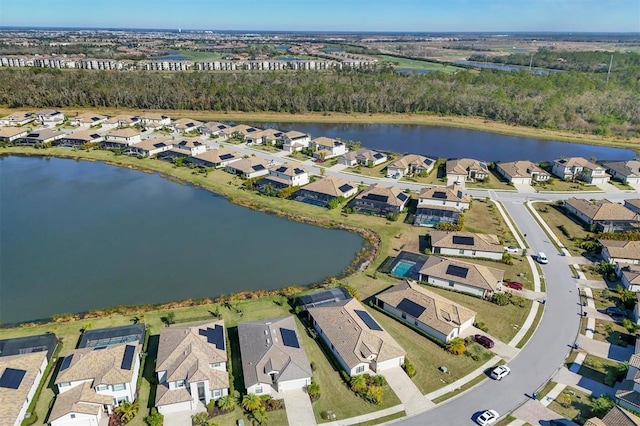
(481, 325)
(227, 403)
(500, 299)
(564, 230)
(374, 394)
(631, 326)
(392, 216)
(377, 380)
(358, 384)
(351, 290)
(200, 419)
(408, 368)
(155, 418)
(602, 405)
(456, 346)
(507, 259)
(314, 391)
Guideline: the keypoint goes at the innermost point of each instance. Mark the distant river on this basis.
(77, 236)
(452, 142)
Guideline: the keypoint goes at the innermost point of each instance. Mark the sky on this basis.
(330, 15)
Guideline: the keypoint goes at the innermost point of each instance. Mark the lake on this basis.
(77, 236)
(453, 142)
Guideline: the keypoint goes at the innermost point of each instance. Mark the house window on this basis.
(473, 252)
(404, 316)
(180, 384)
(360, 369)
(259, 390)
(216, 393)
(64, 385)
(452, 284)
(73, 416)
(100, 388)
(119, 387)
(215, 365)
(461, 251)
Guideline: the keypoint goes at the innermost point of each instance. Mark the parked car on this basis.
(513, 284)
(542, 258)
(615, 312)
(500, 371)
(488, 417)
(512, 249)
(483, 340)
(561, 422)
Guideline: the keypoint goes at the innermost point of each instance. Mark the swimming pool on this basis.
(403, 268)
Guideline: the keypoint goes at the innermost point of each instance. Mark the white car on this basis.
(500, 371)
(489, 417)
(512, 249)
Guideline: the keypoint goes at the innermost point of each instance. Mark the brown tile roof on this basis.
(351, 337)
(12, 400)
(480, 242)
(618, 416)
(127, 132)
(89, 118)
(602, 209)
(294, 134)
(479, 276)
(153, 116)
(124, 117)
(246, 165)
(391, 193)
(450, 193)
(326, 142)
(214, 155)
(631, 274)
(332, 185)
(18, 116)
(622, 249)
(577, 161)
(84, 135)
(79, 399)
(462, 166)
(367, 154)
(440, 313)
(183, 123)
(289, 169)
(415, 160)
(45, 134)
(104, 365)
(9, 132)
(520, 169)
(149, 144)
(242, 128)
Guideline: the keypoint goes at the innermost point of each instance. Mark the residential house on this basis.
(154, 121)
(23, 361)
(333, 295)
(437, 205)
(212, 129)
(249, 168)
(273, 359)
(436, 315)
(216, 158)
(322, 191)
(240, 132)
(39, 137)
(463, 276)
(80, 406)
(467, 244)
(121, 138)
(604, 215)
(50, 117)
(18, 118)
(88, 120)
(9, 134)
(410, 164)
(522, 172)
(466, 169)
(186, 125)
(629, 276)
(617, 416)
(381, 200)
(326, 148)
(624, 171)
(149, 147)
(285, 175)
(358, 342)
(578, 168)
(267, 136)
(79, 138)
(362, 157)
(617, 251)
(123, 120)
(628, 392)
(189, 146)
(633, 204)
(295, 141)
(191, 367)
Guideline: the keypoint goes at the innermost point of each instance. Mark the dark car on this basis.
(561, 422)
(513, 284)
(483, 340)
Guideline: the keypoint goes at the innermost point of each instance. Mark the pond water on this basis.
(77, 236)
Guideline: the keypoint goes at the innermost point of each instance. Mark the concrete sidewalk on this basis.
(298, 407)
(410, 396)
(365, 417)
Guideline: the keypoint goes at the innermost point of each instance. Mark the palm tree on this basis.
(456, 346)
(251, 402)
(358, 384)
(226, 403)
(127, 410)
(260, 416)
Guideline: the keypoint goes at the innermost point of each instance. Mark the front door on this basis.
(201, 391)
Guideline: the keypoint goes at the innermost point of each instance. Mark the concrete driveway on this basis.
(298, 406)
(536, 414)
(410, 396)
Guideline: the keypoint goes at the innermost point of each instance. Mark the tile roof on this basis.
(249, 165)
(103, 365)
(288, 169)
(480, 242)
(439, 313)
(214, 155)
(394, 196)
(89, 118)
(18, 116)
(263, 351)
(351, 337)
(618, 416)
(326, 142)
(632, 274)
(127, 132)
(44, 134)
(364, 153)
(294, 134)
(187, 124)
(635, 202)
(577, 162)
(153, 116)
(414, 160)
(479, 276)
(462, 166)
(242, 128)
(12, 400)
(602, 209)
(630, 168)
(333, 186)
(84, 135)
(450, 193)
(79, 399)
(522, 169)
(9, 132)
(152, 143)
(123, 117)
(622, 249)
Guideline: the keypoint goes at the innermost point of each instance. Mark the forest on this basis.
(566, 100)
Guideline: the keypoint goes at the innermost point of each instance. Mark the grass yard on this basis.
(559, 185)
(278, 417)
(519, 271)
(375, 171)
(427, 356)
(604, 298)
(266, 148)
(494, 181)
(621, 185)
(546, 389)
(504, 322)
(384, 419)
(298, 156)
(554, 216)
(596, 368)
(572, 403)
(590, 273)
(468, 385)
(613, 333)
(483, 217)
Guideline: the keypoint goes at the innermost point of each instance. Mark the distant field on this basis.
(418, 64)
(196, 55)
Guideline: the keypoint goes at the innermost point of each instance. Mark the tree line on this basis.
(569, 100)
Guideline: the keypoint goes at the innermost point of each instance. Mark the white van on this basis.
(542, 258)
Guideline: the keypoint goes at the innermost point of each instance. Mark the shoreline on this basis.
(364, 257)
(462, 122)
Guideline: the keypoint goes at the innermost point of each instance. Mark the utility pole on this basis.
(609, 72)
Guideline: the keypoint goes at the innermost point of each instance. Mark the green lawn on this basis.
(613, 333)
(427, 356)
(417, 64)
(278, 417)
(578, 404)
(546, 389)
(266, 148)
(494, 181)
(621, 185)
(483, 217)
(468, 385)
(554, 216)
(596, 368)
(375, 171)
(298, 156)
(384, 419)
(554, 185)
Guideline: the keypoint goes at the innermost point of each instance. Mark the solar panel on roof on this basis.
(159, 145)
(281, 169)
(251, 129)
(226, 156)
(345, 188)
(33, 135)
(95, 135)
(190, 124)
(371, 323)
(127, 358)
(378, 156)
(215, 336)
(11, 378)
(439, 194)
(66, 362)
(410, 307)
(457, 271)
(289, 338)
(403, 196)
(463, 240)
(298, 171)
(258, 167)
(376, 197)
(222, 126)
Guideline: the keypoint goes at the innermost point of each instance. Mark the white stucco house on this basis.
(295, 141)
(467, 244)
(87, 120)
(273, 359)
(17, 118)
(459, 275)
(579, 168)
(189, 146)
(50, 117)
(123, 137)
(466, 169)
(216, 158)
(363, 157)
(522, 172)
(287, 174)
(328, 147)
(617, 251)
(624, 171)
(410, 164)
